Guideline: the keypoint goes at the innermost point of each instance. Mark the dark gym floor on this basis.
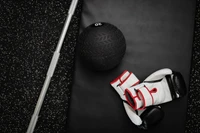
(29, 32)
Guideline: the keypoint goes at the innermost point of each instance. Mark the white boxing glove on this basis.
(144, 118)
(160, 87)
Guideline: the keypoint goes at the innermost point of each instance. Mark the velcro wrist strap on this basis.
(146, 96)
(138, 103)
(115, 84)
(131, 80)
(120, 79)
(132, 98)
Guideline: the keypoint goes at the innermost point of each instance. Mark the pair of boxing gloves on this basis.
(141, 100)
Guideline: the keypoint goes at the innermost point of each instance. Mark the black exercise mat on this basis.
(193, 112)
(29, 32)
(158, 34)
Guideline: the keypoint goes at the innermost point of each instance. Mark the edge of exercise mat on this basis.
(193, 117)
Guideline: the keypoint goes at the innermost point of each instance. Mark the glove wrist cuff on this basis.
(146, 96)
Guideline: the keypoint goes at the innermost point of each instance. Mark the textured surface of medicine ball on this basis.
(102, 46)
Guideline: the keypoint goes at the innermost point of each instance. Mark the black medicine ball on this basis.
(102, 46)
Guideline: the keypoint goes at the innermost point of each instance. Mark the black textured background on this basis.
(193, 112)
(29, 32)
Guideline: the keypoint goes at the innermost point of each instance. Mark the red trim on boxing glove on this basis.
(119, 77)
(145, 93)
(121, 82)
(134, 102)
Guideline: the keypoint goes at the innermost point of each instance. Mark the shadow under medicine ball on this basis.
(102, 46)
